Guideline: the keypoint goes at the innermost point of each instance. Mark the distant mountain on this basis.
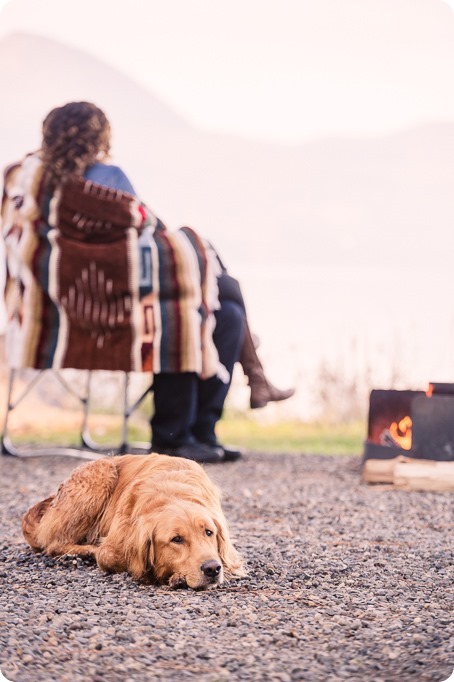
(37, 74)
(377, 201)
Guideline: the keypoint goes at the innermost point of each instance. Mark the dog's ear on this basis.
(139, 551)
(31, 521)
(233, 563)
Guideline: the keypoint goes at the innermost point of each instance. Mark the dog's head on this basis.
(184, 545)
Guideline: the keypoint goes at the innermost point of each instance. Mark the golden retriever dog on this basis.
(157, 517)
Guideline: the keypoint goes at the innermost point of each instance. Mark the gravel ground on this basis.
(346, 582)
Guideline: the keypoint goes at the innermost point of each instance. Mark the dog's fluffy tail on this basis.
(31, 521)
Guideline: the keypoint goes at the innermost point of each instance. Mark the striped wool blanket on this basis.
(95, 281)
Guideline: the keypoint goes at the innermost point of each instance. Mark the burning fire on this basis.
(401, 432)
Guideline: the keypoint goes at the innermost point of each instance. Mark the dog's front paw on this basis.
(177, 581)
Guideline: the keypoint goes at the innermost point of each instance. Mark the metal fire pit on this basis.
(430, 433)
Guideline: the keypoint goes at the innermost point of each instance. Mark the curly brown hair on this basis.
(73, 136)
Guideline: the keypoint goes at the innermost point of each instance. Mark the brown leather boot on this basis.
(262, 390)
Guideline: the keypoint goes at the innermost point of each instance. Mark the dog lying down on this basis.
(157, 517)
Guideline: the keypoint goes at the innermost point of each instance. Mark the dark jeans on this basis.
(187, 408)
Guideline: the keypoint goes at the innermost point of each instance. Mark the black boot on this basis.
(175, 402)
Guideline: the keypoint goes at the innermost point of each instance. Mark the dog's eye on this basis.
(208, 532)
(177, 539)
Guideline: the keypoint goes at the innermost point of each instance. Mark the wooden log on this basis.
(380, 470)
(424, 474)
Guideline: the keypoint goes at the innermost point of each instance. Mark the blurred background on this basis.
(311, 142)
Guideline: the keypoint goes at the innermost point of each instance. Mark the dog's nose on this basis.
(211, 568)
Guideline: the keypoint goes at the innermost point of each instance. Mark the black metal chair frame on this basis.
(88, 449)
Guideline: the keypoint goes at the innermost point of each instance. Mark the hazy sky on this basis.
(284, 70)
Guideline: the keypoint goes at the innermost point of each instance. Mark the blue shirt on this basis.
(109, 176)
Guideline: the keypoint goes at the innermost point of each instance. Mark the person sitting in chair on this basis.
(188, 396)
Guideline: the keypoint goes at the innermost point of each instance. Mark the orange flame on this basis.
(401, 432)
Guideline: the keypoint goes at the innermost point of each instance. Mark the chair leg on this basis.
(7, 447)
(127, 411)
(85, 437)
(126, 414)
